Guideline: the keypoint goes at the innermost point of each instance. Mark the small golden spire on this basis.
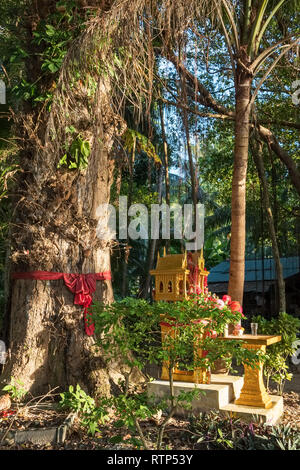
(201, 260)
(184, 260)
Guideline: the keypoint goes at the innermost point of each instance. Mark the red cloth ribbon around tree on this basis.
(82, 285)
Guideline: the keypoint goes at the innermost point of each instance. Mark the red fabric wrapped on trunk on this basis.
(81, 285)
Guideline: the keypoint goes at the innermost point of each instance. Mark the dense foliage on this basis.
(211, 135)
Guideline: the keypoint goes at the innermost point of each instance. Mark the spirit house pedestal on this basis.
(176, 278)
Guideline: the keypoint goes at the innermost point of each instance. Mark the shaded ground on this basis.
(293, 385)
(178, 436)
(291, 414)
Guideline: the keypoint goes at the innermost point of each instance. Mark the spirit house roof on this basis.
(179, 263)
(171, 264)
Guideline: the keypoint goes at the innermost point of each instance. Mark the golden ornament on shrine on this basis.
(178, 276)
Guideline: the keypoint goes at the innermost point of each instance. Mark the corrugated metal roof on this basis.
(254, 270)
(248, 286)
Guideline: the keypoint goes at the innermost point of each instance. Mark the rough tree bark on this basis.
(55, 229)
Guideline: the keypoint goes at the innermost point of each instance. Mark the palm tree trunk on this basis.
(238, 200)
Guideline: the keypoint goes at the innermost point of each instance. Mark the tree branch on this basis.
(225, 113)
(179, 104)
(271, 140)
(206, 98)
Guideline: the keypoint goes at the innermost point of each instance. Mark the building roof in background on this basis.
(254, 270)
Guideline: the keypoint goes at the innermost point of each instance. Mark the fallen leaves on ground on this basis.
(177, 435)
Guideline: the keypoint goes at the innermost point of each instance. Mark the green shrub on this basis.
(77, 400)
(212, 431)
(129, 332)
(15, 389)
(276, 364)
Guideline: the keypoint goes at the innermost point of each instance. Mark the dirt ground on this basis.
(293, 385)
(179, 437)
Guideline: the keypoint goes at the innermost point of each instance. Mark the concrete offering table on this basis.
(238, 397)
(253, 392)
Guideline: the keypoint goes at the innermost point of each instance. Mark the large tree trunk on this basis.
(55, 230)
(238, 201)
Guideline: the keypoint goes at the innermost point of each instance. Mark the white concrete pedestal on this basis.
(220, 394)
(270, 416)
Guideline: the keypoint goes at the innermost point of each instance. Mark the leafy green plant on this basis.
(51, 38)
(77, 400)
(129, 329)
(276, 365)
(92, 420)
(76, 156)
(283, 438)
(15, 389)
(213, 431)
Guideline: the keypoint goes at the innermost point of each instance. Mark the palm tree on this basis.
(245, 24)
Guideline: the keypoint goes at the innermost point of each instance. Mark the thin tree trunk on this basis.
(238, 200)
(274, 191)
(165, 160)
(288, 161)
(153, 246)
(124, 289)
(166, 163)
(259, 162)
(192, 169)
(149, 173)
(262, 251)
